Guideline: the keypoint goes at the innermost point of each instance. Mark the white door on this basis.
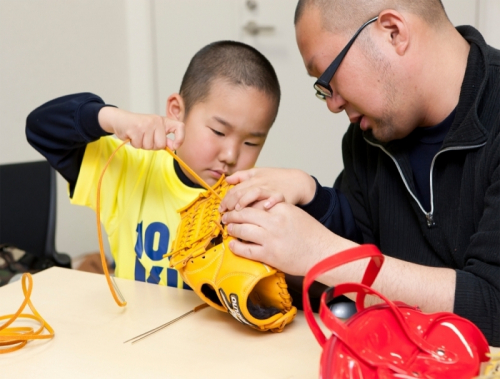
(306, 135)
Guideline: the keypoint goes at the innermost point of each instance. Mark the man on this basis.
(421, 160)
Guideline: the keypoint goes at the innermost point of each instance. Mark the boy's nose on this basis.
(229, 154)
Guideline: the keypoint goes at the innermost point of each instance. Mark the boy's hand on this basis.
(265, 187)
(145, 131)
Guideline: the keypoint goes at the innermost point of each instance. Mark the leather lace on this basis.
(13, 338)
(115, 291)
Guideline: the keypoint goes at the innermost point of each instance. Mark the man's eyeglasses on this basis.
(322, 85)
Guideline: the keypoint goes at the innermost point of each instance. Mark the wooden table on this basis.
(90, 330)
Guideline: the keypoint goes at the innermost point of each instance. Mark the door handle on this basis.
(254, 29)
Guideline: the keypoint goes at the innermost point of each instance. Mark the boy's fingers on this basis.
(171, 145)
(241, 197)
(177, 128)
(228, 202)
(258, 194)
(160, 139)
(261, 204)
(148, 142)
(135, 141)
(239, 177)
(234, 194)
(273, 200)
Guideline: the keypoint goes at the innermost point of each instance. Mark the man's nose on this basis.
(335, 103)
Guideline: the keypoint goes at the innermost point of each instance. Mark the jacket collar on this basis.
(467, 129)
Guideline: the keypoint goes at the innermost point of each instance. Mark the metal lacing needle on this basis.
(152, 331)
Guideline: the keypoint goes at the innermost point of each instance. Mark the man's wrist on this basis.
(310, 189)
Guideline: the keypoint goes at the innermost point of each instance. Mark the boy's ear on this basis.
(175, 107)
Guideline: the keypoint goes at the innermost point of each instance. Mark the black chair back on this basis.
(28, 209)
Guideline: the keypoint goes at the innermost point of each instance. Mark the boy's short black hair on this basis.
(234, 62)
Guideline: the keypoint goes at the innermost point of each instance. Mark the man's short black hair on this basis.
(349, 15)
(234, 62)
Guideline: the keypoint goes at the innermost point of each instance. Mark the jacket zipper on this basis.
(428, 215)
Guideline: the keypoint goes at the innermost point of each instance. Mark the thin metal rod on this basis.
(158, 328)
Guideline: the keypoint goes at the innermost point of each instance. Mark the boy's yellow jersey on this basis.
(140, 196)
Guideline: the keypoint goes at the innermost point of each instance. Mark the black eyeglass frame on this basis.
(322, 85)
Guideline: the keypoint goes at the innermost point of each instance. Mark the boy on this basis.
(228, 100)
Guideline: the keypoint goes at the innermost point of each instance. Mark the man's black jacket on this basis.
(462, 230)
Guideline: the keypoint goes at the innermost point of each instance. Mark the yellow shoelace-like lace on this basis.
(115, 291)
(13, 338)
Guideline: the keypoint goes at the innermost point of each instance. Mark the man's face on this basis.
(364, 84)
(226, 132)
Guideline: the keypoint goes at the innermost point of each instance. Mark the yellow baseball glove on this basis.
(252, 292)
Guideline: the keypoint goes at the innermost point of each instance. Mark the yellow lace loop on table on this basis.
(115, 291)
(18, 337)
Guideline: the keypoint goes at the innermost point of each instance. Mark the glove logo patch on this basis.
(233, 307)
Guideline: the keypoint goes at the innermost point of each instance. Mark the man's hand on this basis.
(267, 187)
(145, 131)
(285, 237)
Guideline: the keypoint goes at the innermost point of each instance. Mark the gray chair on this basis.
(28, 213)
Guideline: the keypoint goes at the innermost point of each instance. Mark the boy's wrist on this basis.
(87, 120)
(106, 117)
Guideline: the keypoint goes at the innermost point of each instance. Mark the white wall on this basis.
(488, 14)
(54, 47)
(50, 48)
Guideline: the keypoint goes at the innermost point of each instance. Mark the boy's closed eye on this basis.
(253, 144)
(216, 132)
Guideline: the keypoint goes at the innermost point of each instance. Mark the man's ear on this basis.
(397, 30)
(175, 107)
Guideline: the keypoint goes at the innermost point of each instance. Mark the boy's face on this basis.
(226, 132)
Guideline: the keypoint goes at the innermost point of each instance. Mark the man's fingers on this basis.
(246, 249)
(246, 232)
(247, 215)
